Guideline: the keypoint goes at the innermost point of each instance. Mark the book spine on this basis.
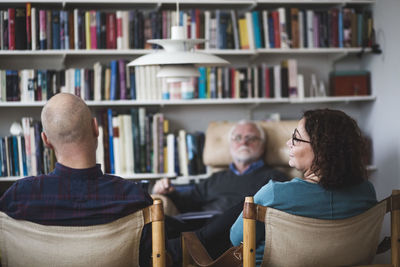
(93, 29)
(11, 28)
(28, 25)
(42, 30)
(122, 79)
(113, 82)
(87, 30)
(56, 29)
(110, 140)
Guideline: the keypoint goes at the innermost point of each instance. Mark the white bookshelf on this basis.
(189, 113)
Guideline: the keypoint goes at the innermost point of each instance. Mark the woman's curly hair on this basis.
(338, 147)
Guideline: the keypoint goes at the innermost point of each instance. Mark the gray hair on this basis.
(242, 122)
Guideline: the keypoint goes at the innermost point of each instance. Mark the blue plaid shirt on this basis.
(74, 197)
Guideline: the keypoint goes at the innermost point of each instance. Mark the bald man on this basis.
(76, 193)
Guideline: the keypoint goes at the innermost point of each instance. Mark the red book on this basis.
(119, 30)
(111, 31)
(277, 32)
(93, 30)
(28, 25)
(267, 83)
(334, 13)
(233, 84)
(11, 28)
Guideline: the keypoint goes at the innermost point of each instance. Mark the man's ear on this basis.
(46, 141)
(95, 127)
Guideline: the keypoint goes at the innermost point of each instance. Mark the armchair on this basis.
(292, 240)
(23, 243)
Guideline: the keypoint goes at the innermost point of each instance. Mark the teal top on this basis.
(306, 199)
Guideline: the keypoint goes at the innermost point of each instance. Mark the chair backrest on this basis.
(292, 240)
(216, 149)
(23, 243)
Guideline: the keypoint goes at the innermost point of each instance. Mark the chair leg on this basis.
(395, 229)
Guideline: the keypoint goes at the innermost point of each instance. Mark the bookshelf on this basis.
(194, 114)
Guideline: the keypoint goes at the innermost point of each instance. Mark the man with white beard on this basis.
(225, 189)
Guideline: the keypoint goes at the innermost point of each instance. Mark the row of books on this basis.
(103, 82)
(132, 142)
(305, 28)
(140, 142)
(24, 154)
(285, 27)
(116, 81)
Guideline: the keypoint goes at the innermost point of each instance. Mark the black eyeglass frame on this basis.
(294, 138)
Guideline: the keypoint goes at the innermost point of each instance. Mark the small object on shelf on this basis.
(313, 86)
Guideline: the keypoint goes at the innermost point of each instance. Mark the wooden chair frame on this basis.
(253, 212)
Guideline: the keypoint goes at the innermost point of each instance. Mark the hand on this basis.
(163, 186)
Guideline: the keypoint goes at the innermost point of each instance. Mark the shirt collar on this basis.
(253, 166)
(61, 170)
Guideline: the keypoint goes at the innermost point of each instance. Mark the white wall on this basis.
(382, 120)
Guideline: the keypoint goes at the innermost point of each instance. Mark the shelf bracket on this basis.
(250, 110)
(336, 57)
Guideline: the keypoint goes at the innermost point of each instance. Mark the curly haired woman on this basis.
(328, 148)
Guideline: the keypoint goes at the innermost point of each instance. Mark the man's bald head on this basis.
(66, 119)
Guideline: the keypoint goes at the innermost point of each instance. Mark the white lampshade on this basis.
(178, 58)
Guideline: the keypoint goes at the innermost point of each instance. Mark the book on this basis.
(111, 140)
(20, 28)
(55, 18)
(11, 29)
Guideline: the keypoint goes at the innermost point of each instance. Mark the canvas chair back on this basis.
(292, 240)
(23, 243)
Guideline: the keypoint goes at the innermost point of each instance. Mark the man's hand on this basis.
(163, 186)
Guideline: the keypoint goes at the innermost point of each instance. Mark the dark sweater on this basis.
(222, 190)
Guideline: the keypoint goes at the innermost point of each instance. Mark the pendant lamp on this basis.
(178, 60)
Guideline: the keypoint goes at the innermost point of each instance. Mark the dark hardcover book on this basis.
(284, 79)
(104, 122)
(122, 79)
(98, 29)
(102, 44)
(149, 141)
(110, 140)
(111, 30)
(271, 82)
(139, 30)
(24, 170)
(11, 28)
(334, 26)
(20, 29)
(271, 33)
(15, 156)
(136, 138)
(242, 72)
(200, 141)
(5, 30)
(42, 37)
(71, 30)
(354, 35)
(131, 25)
(12, 85)
(132, 77)
(305, 28)
(82, 29)
(39, 147)
(49, 83)
(55, 17)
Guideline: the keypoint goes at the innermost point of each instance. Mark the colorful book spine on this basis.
(113, 82)
(11, 28)
(122, 79)
(110, 140)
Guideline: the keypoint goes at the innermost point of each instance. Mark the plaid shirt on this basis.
(74, 197)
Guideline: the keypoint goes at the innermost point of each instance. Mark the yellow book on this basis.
(107, 81)
(243, 34)
(87, 29)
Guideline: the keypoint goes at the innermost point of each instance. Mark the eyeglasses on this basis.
(247, 138)
(294, 138)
